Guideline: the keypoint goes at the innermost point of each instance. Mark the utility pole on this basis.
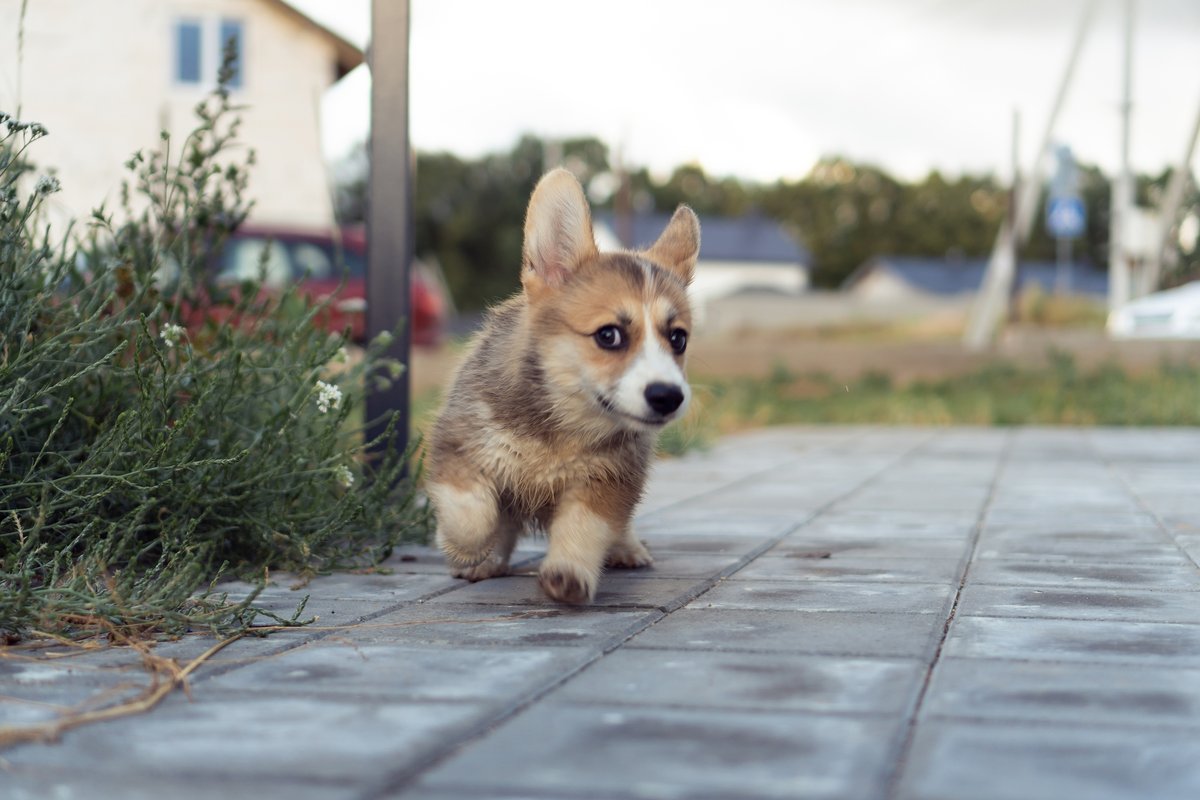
(1007, 248)
(1164, 251)
(1119, 256)
(389, 211)
(998, 279)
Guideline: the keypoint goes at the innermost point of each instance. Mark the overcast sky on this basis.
(762, 88)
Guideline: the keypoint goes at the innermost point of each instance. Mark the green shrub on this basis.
(144, 454)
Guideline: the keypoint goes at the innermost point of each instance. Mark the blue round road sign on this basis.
(1066, 217)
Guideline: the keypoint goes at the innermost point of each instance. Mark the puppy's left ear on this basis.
(679, 244)
(558, 232)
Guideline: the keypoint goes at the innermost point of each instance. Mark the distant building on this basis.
(737, 254)
(106, 76)
(893, 279)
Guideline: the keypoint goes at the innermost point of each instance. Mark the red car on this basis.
(319, 264)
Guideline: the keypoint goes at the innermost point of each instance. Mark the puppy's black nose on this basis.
(664, 397)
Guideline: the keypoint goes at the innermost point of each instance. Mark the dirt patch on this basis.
(760, 353)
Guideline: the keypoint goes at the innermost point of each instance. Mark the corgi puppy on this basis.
(552, 418)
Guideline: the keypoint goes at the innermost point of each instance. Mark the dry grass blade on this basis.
(167, 674)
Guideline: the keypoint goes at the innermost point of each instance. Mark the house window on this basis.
(231, 37)
(188, 52)
(200, 51)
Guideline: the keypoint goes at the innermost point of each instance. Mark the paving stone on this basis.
(663, 753)
(1163, 501)
(34, 692)
(917, 497)
(746, 681)
(1178, 577)
(851, 568)
(1182, 523)
(1067, 693)
(1052, 493)
(951, 761)
(335, 667)
(902, 635)
(387, 586)
(103, 665)
(1082, 548)
(674, 564)
(1084, 604)
(417, 559)
(1049, 518)
(1072, 640)
(804, 544)
(503, 625)
(1190, 544)
(899, 525)
(616, 590)
(877, 597)
(319, 610)
(61, 784)
(704, 543)
(690, 522)
(1051, 535)
(791, 496)
(240, 735)
(407, 792)
(665, 495)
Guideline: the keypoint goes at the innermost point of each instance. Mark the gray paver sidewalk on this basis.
(834, 612)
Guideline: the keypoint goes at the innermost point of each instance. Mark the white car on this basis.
(1173, 314)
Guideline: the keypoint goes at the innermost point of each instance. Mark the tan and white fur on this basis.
(551, 420)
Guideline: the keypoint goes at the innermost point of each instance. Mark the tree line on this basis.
(469, 212)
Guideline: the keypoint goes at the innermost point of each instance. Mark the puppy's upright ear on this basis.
(558, 232)
(679, 245)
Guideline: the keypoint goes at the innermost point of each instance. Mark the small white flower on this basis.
(328, 396)
(343, 355)
(47, 184)
(344, 476)
(171, 333)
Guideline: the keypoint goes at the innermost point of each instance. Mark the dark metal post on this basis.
(389, 205)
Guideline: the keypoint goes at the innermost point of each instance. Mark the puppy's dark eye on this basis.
(609, 337)
(678, 340)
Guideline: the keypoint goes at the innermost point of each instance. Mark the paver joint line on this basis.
(1137, 497)
(898, 763)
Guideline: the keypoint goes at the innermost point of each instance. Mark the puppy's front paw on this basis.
(566, 583)
(629, 553)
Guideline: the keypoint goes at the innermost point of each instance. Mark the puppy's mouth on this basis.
(611, 408)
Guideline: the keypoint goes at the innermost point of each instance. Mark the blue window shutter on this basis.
(231, 32)
(187, 51)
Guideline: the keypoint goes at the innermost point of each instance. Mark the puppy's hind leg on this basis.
(467, 518)
(496, 563)
(628, 552)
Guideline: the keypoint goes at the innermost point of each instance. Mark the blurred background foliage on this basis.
(469, 212)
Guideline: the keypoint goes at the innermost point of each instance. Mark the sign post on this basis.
(1066, 215)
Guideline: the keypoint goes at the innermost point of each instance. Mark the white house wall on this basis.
(100, 75)
(731, 276)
